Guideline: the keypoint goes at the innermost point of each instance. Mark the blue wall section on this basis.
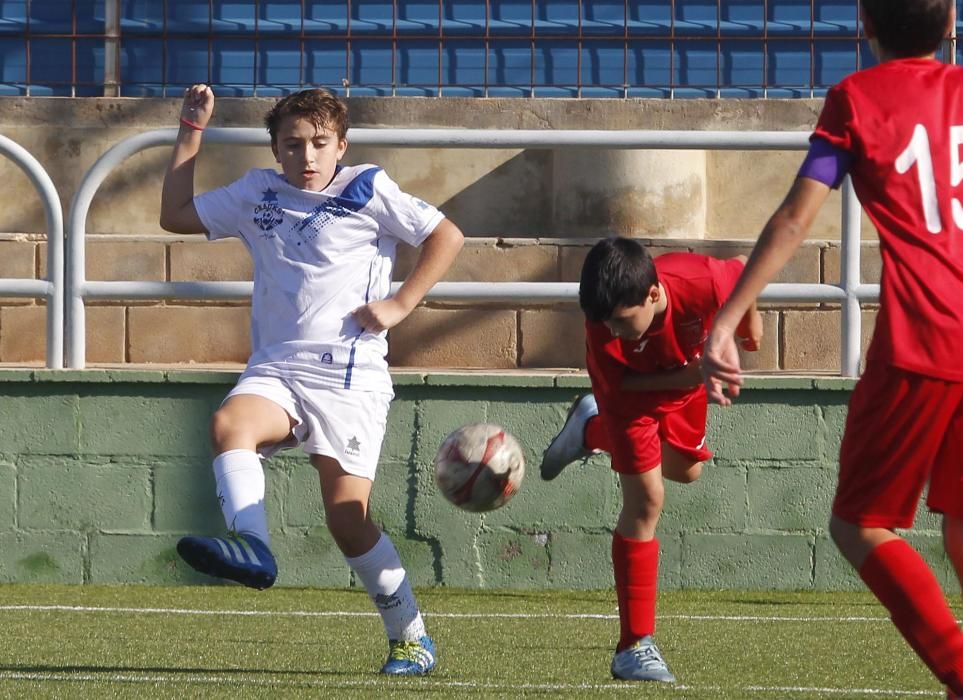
(563, 48)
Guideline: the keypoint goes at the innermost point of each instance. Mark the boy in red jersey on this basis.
(646, 321)
(896, 129)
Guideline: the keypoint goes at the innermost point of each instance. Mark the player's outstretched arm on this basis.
(178, 214)
(437, 254)
(781, 236)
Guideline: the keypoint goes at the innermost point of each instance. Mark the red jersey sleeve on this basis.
(725, 274)
(837, 122)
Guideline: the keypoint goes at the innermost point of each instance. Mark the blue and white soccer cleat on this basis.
(641, 662)
(569, 444)
(408, 658)
(238, 557)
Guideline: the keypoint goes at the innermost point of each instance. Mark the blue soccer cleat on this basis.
(238, 557)
(641, 662)
(569, 444)
(408, 658)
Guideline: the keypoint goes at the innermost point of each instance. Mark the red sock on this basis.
(636, 565)
(901, 580)
(596, 437)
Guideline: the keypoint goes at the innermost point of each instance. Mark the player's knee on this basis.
(224, 428)
(684, 474)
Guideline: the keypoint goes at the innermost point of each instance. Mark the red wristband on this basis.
(194, 125)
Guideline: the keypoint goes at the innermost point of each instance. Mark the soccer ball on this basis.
(479, 467)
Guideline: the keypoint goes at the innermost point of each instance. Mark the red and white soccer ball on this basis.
(479, 467)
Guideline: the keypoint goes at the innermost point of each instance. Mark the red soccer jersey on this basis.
(695, 287)
(902, 121)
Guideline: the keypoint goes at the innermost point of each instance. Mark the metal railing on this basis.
(51, 288)
(849, 293)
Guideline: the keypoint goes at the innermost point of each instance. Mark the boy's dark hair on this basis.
(909, 28)
(317, 105)
(617, 272)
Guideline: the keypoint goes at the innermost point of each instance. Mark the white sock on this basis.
(387, 583)
(240, 491)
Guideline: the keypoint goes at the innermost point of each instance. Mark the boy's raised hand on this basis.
(198, 105)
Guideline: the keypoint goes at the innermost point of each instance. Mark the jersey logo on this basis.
(353, 447)
(268, 213)
(641, 346)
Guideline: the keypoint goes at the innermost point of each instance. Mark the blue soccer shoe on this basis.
(238, 557)
(407, 658)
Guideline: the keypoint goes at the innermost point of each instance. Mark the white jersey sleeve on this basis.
(402, 215)
(220, 210)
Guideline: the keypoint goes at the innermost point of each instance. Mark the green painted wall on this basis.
(101, 471)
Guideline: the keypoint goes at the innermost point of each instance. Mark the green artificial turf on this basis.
(140, 642)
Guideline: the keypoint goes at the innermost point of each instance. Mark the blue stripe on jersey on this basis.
(367, 299)
(359, 191)
(347, 374)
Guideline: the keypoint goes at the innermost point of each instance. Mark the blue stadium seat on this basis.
(510, 64)
(371, 65)
(326, 63)
(602, 66)
(278, 66)
(318, 16)
(823, 17)
(13, 60)
(52, 16)
(463, 67)
(606, 17)
(13, 16)
(417, 63)
(556, 65)
(743, 65)
(418, 17)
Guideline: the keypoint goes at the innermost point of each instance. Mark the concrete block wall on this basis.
(798, 338)
(101, 472)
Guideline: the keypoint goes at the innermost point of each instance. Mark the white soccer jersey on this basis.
(318, 256)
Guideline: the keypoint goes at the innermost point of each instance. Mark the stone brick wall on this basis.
(72, 441)
(799, 338)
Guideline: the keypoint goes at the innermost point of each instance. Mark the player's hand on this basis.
(381, 315)
(198, 105)
(720, 366)
(749, 330)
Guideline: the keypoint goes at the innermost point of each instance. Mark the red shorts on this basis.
(902, 429)
(637, 430)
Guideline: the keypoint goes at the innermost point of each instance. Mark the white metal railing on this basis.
(52, 288)
(849, 293)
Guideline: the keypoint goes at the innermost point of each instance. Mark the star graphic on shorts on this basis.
(354, 444)
(269, 195)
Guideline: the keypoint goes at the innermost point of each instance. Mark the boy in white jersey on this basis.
(323, 239)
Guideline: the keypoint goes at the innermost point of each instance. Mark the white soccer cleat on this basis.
(641, 662)
(569, 445)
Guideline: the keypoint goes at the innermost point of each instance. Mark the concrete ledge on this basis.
(560, 379)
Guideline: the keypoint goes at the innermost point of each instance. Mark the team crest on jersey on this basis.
(327, 358)
(268, 213)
